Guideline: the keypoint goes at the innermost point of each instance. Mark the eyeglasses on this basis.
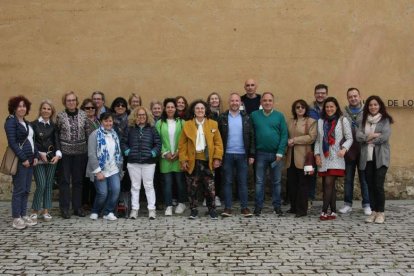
(70, 100)
(120, 105)
(89, 107)
(300, 107)
(250, 85)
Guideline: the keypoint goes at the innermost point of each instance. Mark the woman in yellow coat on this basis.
(200, 151)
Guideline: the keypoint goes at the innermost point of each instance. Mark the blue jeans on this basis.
(22, 182)
(169, 179)
(350, 168)
(238, 162)
(263, 161)
(107, 193)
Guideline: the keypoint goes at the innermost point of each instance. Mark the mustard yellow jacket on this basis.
(187, 143)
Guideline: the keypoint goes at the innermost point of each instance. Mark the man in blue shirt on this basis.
(238, 140)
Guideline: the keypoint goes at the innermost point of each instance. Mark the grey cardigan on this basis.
(93, 162)
(382, 146)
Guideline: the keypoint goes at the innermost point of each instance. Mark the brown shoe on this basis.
(246, 213)
(226, 212)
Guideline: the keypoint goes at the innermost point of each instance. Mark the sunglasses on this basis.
(120, 105)
(89, 107)
(300, 107)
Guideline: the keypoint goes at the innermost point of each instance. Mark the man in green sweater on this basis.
(271, 141)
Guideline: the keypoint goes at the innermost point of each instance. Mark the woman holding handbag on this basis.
(47, 142)
(302, 134)
(20, 139)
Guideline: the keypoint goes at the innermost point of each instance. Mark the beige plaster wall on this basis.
(165, 48)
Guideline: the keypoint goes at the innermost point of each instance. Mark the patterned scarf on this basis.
(101, 147)
(329, 125)
(370, 126)
(353, 113)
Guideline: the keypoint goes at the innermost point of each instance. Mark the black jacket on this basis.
(17, 139)
(45, 136)
(248, 131)
(141, 143)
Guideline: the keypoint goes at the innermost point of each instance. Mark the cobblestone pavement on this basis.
(177, 246)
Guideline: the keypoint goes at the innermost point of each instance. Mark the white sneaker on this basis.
(110, 216)
(28, 221)
(134, 214)
(367, 211)
(151, 214)
(47, 217)
(18, 223)
(168, 211)
(180, 208)
(218, 202)
(345, 209)
(33, 217)
(93, 216)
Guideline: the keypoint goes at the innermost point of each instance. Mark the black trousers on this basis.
(73, 171)
(375, 179)
(298, 185)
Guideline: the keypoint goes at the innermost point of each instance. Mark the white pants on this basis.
(144, 172)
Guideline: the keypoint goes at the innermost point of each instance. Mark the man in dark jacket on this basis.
(353, 111)
(238, 140)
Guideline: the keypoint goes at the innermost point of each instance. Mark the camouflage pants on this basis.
(201, 179)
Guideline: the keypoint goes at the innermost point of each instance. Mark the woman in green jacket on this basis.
(169, 127)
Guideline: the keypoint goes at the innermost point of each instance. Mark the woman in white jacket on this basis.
(333, 141)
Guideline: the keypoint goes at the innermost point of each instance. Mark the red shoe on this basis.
(332, 216)
(323, 216)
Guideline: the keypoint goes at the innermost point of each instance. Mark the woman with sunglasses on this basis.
(88, 188)
(119, 109)
(302, 134)
(91, 112)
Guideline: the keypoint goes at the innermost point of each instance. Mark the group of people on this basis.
(184, 152)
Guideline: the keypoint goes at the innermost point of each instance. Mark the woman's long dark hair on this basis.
(382, 110)
(338, 112)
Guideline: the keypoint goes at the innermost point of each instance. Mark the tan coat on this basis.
(303, 132)
(187, 143)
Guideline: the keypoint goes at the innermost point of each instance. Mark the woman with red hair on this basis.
(20, 140)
